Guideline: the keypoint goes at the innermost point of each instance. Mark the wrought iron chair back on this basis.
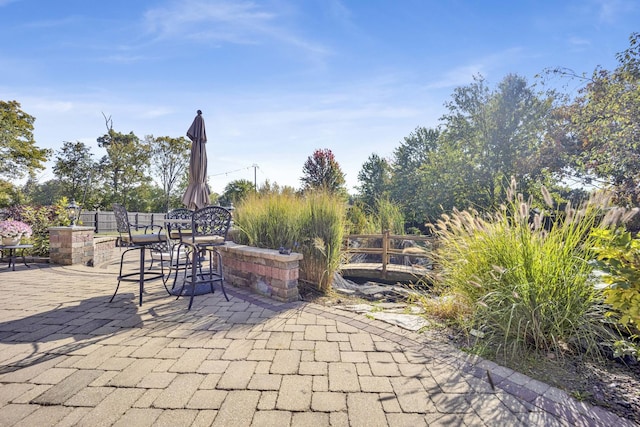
(122, 224)
(171, 249)
(174, 229)
(210, 225)
(166, 248)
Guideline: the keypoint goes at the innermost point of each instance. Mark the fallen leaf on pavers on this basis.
(405, 321)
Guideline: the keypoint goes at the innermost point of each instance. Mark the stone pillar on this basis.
(71, 245)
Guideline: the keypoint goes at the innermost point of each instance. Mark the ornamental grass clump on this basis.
(312, 224)
(323, 226)
(269, 221)
(526, 286)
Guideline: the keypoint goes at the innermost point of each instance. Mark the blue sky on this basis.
(277, 79)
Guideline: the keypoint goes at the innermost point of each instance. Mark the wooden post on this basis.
(385, 252)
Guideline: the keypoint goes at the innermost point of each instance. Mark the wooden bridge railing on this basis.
(386, 249)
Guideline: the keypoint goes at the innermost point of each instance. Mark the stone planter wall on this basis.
(104, 250)
(265, 271)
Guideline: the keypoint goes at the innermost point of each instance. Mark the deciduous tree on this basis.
(605, 122)
(19, 155)
(322, 171)
(74, 167)
(169, 163)
(374, 178)
(407, 178)
(125, 166)
(235, 191)
(499, 133)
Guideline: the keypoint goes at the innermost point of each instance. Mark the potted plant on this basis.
(12, 231)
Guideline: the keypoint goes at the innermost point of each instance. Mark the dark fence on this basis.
(105, 221)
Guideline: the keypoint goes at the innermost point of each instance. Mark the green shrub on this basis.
(358, 221)
(618, 256)
(526, 287)
(389, 216)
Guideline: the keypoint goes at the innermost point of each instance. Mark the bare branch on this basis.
(108, 122)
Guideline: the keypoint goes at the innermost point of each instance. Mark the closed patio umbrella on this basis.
(197, 194)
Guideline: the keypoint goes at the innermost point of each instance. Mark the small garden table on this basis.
(13, 254)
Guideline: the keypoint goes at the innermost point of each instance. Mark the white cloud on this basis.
(53, 106)
(157, 112)
(579, 41)
(186, 18)
(463, 74)
(457, 76)
(224, 21)
(610, 11)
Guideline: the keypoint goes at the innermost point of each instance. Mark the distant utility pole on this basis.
(255, 179)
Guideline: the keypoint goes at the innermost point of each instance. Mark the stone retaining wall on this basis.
(265, 271)
(104, 249)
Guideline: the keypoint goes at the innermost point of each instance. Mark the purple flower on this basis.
(11, 228)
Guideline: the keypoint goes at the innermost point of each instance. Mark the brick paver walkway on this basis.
(69, 357)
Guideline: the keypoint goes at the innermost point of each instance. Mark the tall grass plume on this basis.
(526, 286)
(312, 224)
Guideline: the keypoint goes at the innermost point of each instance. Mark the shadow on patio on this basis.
(65, 330)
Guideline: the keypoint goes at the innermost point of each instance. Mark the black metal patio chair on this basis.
(208, 231)
(177, 223)
(139, 242)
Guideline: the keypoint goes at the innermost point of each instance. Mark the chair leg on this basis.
(120, 273)
(139, 275)
(164, 281)
(175, 276)
(187, 267)
(195, 273)
(142, 251)
(194, 276)
(152, 260)
(211, 273)
(174, 265)
(221, 274)
(119, 276)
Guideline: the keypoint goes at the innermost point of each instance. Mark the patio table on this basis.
(184, 238)
(13, 254)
